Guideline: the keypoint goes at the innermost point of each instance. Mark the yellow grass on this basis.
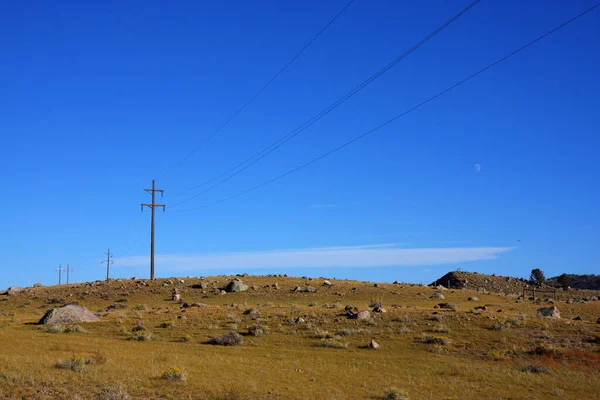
(481, 361)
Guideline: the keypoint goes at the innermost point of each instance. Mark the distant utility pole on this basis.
(152, 206)
(60, 269)
(68, 269)
(108, 261)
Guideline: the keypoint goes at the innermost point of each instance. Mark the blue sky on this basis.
(98, 99)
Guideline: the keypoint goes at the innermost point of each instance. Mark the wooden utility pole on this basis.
(152, 206)
(60, 269)
(68, 269)
(108, 262)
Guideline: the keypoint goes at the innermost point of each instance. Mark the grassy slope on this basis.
(289, 362)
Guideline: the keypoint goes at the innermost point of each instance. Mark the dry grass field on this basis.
(295, 345)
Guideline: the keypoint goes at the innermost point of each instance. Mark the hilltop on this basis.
(295, 338)
(589, 281)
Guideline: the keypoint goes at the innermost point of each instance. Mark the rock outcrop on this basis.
(68, 314)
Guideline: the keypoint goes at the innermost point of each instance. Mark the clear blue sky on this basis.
(99, 98)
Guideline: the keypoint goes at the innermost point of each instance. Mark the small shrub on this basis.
(258, 330)
(334, 344)
(395, 394)
(535, 369)
(76, 364)
(543, 349)
(321, 334)
(74, 329)
(139, 326)
(142, 337)
(429, 339)
(404, 329)
(347, 332)
(185, 339)
(123, 300)
(58, 328)
(173, 374)
(168, 324)
(227, 339)
(116, 392)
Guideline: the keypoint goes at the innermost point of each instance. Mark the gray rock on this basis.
(310, 289)
(13, 290)
(379, 309)
(438, 295)
(68, 314)
(37, 284)
(365, 314)
(201, 285)
(251, 311)
(473, 299)
(551, 312)
(373, 344)
(236, 285)
(326, 283)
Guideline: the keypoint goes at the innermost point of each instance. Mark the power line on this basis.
(281, 141)
(448, 89)
(262, 89)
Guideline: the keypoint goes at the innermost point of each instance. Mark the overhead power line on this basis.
(262, 89)
(284, 139)
(355, 139)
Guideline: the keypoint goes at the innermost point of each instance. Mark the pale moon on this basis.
(477, 167)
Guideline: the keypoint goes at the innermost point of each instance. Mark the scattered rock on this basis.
(37, 284)
(379, 309)
(448, 306)
(236, 285)
(176, 296)
(438, 295)
(13, 290)
(201, 285)
(482, 308)
(376, 285)
(473, 299)
(548, 312)
(326, 283)
(299, 320)
(68, 314)
(310, 289)
(251, 311)
(598, 322)
(373, 344)
(297, 289)
(365, 314)
(578, 318)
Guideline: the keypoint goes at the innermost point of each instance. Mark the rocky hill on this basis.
(482, 282)
(589, 281)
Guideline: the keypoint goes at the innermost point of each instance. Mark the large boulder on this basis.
(13, 290)
(236, 285)
(549, 312)
(68, 314)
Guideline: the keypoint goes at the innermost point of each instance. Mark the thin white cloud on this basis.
(327, 257)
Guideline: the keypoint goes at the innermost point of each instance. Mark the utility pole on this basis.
(108, 262)
(59, 269)
(68, 269)
(152, 206)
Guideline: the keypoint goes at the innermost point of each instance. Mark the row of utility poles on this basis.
(110, 255)
(60, 269)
